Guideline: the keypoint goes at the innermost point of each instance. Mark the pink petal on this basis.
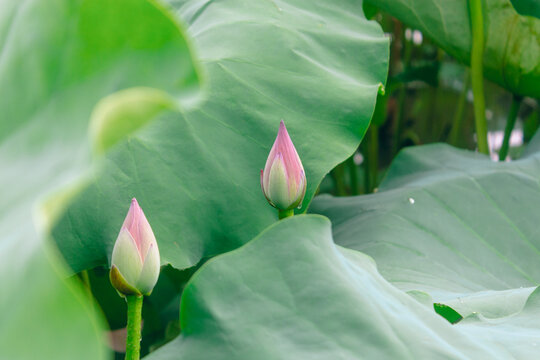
(139, 228)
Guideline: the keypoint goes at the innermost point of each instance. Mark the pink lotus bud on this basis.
(283, 180)
(135, 258)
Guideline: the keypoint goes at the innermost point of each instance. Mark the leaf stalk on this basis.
(282, 214)
(510, 122)
(133, 341)
(477, 74)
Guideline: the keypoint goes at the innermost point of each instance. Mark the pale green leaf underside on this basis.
(124, 112)
(459, 227)
(291, 293)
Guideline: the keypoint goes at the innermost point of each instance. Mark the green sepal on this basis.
(120, 284)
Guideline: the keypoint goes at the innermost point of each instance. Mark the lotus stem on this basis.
(133, 342)
(285, 213)
(399, 115)
(353, 175)
(477, 74)
(85, 279)
(339, 179)
(371, 158)
(510, 122)
(460, 109)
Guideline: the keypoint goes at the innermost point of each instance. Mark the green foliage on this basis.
(459, 227)
(291, 293)
(527, 7)
(58, 59)
(512, 42)
(195, 171)
(442, 261)
(447, 312)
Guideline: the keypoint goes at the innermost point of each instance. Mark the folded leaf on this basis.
(455, 225)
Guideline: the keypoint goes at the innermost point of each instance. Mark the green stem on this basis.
(85, 279)
(86, 282)
(282, 214)
(399, 115)
(339, 180)
(430, 125)
(400, 109)
(133, 342)
(458, 115)
(372, 158)
(353, 175)
(436, 127)
(510, 122)
(365, 164)
(530, 126)
(477, 74)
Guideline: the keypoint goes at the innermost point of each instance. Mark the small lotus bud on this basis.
(135, 259)
(283, 180)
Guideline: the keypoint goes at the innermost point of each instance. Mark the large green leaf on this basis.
(512, 50)
(291, 293)
(57, 59)
(451, 226)
(195, 172)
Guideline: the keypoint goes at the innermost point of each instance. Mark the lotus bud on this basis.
(283, 180)
(135, 259)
